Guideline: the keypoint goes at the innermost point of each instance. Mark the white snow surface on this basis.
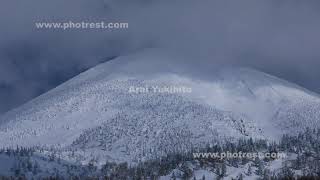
(96, 112)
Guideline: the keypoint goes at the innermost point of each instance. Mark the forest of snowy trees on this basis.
(304, 148)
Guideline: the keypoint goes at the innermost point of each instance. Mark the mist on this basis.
(278, 37)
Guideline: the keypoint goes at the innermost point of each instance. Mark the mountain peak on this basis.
(96, 109)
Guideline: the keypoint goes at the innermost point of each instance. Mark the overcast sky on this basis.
(278, 37)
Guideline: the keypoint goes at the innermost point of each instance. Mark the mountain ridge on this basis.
(97, 105)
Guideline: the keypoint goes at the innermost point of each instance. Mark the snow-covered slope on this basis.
(97, 111)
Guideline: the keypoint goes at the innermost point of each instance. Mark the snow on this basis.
(95, 113)
(198, 174)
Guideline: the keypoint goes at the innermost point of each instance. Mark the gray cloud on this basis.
(279, 37)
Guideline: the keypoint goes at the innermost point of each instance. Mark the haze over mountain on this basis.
(187, 78)
(280, 38)
(95, 112)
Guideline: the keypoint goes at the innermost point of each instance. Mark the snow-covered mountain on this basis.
(112, 110)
